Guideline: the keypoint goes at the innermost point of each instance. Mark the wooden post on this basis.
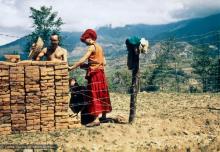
(134, 86)
(218, 88)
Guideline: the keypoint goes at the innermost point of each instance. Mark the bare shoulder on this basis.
(63, 50)
(91, 48)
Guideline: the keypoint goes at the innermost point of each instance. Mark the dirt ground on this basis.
(164, 122)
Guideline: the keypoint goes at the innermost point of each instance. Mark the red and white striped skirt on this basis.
(97, 92)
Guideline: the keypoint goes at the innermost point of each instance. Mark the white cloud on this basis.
(81, 14)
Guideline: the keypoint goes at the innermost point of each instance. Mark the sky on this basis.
(81, 14)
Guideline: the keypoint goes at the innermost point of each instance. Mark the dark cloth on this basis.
(77, 100)
(97, 92)
(132, 45)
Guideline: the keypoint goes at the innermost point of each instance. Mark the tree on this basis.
(45, 23)
(166, 75)
(119, 81)
(205, 65)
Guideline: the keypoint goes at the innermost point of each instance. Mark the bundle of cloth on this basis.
(135, 46)
(36, 48)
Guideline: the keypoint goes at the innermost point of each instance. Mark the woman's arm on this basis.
(82, 60)
(104, 63)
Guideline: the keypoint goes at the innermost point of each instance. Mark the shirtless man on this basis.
(54, 52)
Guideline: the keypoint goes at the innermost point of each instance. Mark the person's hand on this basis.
(84, 66)
(70, 68)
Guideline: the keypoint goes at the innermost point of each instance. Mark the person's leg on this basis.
(103, 115)
(94, 123)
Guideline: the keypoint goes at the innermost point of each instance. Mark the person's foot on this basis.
(105, 120)
(93, 124)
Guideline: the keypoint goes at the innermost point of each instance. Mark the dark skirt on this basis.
(97, 92)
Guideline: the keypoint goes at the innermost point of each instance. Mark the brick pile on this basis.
(5, 109)
(34, 96)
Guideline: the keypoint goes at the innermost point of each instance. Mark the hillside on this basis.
(113, 39)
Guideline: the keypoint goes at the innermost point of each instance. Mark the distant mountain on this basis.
(206, 27)
(193, 31)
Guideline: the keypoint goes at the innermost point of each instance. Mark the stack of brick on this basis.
(33, 94)
(61, 96)
(17, 89)
(5, 109)
(47, 98)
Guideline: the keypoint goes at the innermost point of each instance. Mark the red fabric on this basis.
(89, 33)
(98, 95)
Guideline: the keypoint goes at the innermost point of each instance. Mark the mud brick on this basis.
(17, 70)
(47, 129)
(32, 68)
(58, 77)
(47, 78)
(6, 99)
(18, 100)
(47, 119)
(61, 88)
(32, 108)
(47, 125)
(17, 116)
(16, 128)
(5, 125)
(57, 114)
(38, 63)
(47, 84)
(33, 115)
(47, 114)
(47, 69)
(60, 67)
(33, 122)
(48, 94)
(63, 108)
(74, 120)
(5, 128)
(4, 73)
(4, 90)
(5, 104)
(18, 108)
(47, 108)
(33, 98)
(3, 65)
(34, 128)
(17, 94)
(61, 125)
(5, 96)
(5, 108)
(76, 125)
(5, 119)
(58, 83)
(52, 63)
(50, 73)
(3, 79)
(62, 99)
(24, 63)
(62, 94)
(33, 89)
(63, 72)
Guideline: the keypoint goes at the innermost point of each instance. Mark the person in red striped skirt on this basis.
(97, 88)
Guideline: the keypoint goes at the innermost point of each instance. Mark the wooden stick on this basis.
(134, 86)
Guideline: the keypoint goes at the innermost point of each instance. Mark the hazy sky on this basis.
(81, 14)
